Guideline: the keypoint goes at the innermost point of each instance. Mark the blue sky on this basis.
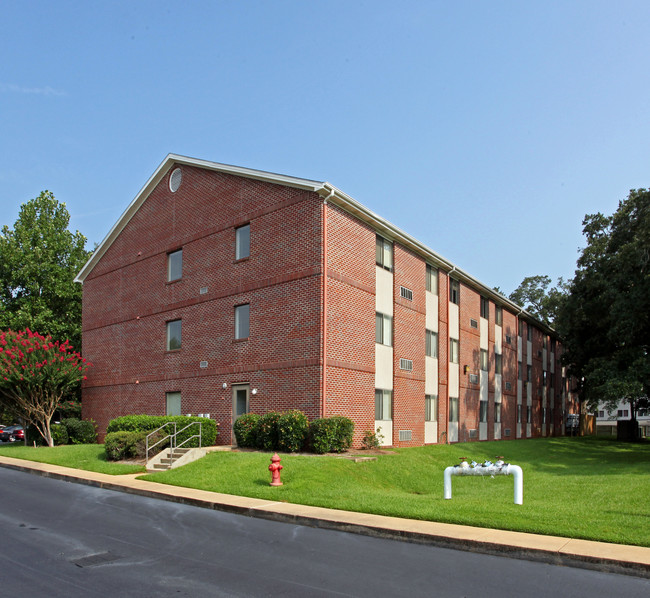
(487, 130)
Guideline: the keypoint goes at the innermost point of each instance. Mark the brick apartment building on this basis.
(223, 290)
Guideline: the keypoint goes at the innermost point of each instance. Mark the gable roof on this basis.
(329, 193)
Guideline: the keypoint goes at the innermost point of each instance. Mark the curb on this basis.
(598, 556)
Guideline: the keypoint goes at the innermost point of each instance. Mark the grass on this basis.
(590, 488)
(89, 457)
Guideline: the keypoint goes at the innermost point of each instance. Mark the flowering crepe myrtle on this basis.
(35, 372)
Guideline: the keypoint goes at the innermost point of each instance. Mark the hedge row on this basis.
(125, 445)
(70, 431)
(291, 432)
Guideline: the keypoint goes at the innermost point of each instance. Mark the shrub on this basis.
(149, 423)
(80, 431)
(125, 445)
(245, 429)
(331, 434)
(344, 430)
(293, 427)
(372, 440)
(59, 435)
(267, 431)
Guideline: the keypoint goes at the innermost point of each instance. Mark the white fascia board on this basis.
(159, 174)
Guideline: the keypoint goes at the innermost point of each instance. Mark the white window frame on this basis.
(243, 242)
(174, 265)
(383, 329)
(431, 408)
(174, 335)
(383, 404)
(431, 280)
(242, 321)
(431, 344)
(454, 350)
(384, 253)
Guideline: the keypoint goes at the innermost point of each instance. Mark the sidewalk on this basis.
(615, 558)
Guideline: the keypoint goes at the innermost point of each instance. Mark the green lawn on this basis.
(89, 457)
(591, 488)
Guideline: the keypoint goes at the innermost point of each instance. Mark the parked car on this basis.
(12, 433)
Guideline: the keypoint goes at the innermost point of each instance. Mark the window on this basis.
(482, 411)
(498, 316)
(383, 404)
(498, 363)
(551, 379)
(383, 329)
(544, 415)
(174, 265)
(508, 385)
(521, 328)
(454, 291)
(406, 293)
(243, 242)
(484, 360)
(431, 280)
(520, 371)
(518, 414)
(529, 373)
(173, 406)
(453, 409)
(431, 408)
(384, 253)
(485, 308)
(508, 339)
(544, 377)
(432, 343)
(497, 413)
(242, 321)
(544, 342)
(529, 414)
(174, 335)
(601, 413)
(529, 332)
(453, 350)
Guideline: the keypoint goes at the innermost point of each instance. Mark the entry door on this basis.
(240, 393)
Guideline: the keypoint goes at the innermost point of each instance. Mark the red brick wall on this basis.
(127, 302)
(409, 342)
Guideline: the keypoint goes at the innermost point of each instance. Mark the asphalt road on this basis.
(60, 539)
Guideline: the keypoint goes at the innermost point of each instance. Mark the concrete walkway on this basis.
(616, 558)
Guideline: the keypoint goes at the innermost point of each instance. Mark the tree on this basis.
(39, 259)
(35, 373)
(536, 296)
(605, 320)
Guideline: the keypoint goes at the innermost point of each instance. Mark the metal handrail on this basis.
(173, 438)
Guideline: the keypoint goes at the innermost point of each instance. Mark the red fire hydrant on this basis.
(275, 468)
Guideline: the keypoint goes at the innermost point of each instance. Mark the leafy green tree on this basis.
(605, 320)
(35, 373)
(536, 295)
(39, 259)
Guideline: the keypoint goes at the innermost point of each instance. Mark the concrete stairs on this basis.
(172, 458)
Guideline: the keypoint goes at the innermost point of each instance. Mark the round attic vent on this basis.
(175, 180)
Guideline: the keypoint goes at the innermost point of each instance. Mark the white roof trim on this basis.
(325, 190)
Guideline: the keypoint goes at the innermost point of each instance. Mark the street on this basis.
(61, 539)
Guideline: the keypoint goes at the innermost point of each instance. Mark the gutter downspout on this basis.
(323, 390)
